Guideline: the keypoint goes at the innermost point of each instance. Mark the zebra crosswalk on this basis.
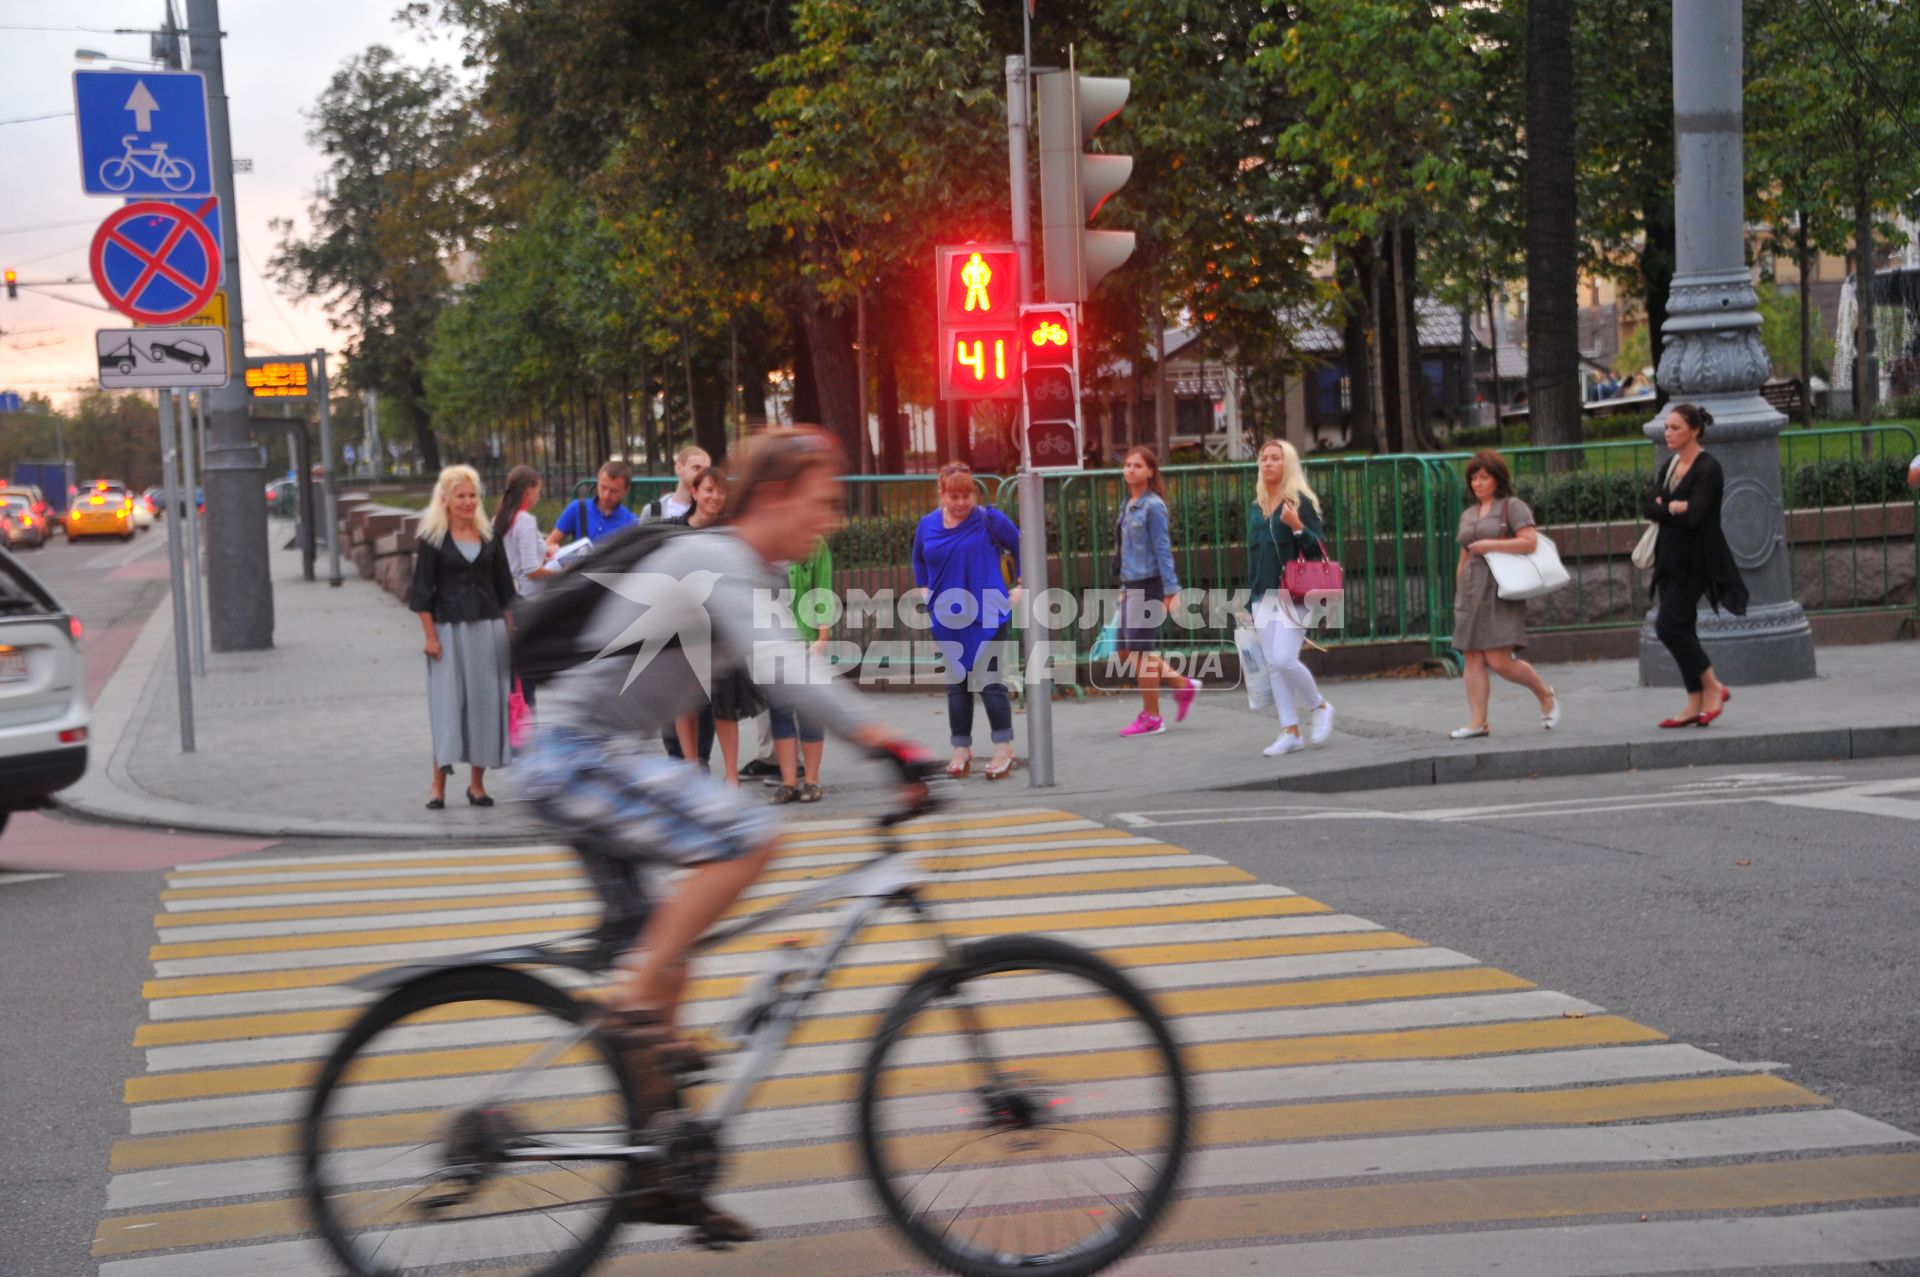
(1370, 1103)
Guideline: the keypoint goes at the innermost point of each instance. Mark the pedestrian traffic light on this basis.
(1073, 185)
(13, 286)
(979, 320)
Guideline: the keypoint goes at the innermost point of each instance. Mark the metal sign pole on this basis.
(328, 489)
(170, 476)
(191, 525)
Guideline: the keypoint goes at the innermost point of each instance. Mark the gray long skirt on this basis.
(467, 690)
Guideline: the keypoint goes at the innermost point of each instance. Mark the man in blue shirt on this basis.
(607, 512)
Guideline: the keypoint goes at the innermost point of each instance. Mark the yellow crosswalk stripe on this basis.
(758, 1168)
(1212, 911)
(1305, 1212)
(1403, 1044)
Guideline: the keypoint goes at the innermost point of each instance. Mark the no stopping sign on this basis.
(155, 263)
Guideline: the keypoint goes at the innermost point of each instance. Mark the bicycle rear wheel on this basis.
(1024, 1110)
(407, 1138)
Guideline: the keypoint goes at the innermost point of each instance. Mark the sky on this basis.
(278, 58)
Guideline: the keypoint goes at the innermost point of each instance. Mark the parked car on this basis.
(17, 522)
(104, 510)
(43, 692)
(282, 501)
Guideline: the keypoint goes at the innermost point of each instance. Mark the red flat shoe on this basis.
(1692, 720)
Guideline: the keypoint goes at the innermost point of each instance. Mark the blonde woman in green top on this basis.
(1283, 524)
(815, 572)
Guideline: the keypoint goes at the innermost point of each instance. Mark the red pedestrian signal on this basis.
(978, 286)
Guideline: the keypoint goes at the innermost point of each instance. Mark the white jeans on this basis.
(1281, 636)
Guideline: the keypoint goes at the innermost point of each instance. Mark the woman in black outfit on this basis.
(1691, 560)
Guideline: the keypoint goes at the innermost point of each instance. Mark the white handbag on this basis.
(1528, 576)
(1253, 667)
(1643, 548)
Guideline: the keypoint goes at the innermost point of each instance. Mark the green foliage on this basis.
(106, 435)
(1844, 481)
(1780, 331)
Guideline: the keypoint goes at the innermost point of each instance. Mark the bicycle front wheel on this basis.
(421, 1156)
(1024, 1110)
(177, 175)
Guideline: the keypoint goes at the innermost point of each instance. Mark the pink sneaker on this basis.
(1183, 701)
(1144, 725)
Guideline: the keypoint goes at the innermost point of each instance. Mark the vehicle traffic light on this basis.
(13, 286)
(1073, 185)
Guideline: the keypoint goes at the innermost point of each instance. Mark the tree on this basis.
(884, 128)
(1837, 84)
(1553, 258)
(1380, 87)
(393, 206)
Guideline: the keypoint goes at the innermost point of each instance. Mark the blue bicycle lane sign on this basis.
(143, 133)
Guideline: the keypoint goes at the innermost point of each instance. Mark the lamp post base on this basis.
(1772, 643)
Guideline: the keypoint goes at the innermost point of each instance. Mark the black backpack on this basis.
(547, 627)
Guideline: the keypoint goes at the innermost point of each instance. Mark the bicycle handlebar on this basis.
(915, 768)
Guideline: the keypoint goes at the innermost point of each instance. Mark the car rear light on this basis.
(73, 736)
(74, 628)
(121, 513)
(27, 519)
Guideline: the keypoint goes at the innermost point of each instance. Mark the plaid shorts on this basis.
(645, 806)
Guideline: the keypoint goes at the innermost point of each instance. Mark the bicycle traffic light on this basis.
(1073, 185)
(1050, 376)
(13, 286)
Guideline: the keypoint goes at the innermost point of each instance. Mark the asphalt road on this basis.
(1713, 904)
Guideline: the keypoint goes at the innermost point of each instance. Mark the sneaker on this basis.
(1288, 743)
(1183, 700)
(1320, 723)
(1144, 725)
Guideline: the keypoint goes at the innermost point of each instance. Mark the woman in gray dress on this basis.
(461, 588)
(1488, 629)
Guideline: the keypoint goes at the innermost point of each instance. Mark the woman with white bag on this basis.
(1489, 629)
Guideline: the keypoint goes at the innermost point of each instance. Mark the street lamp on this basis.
(95, 55)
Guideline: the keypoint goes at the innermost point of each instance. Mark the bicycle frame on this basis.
(868, 888)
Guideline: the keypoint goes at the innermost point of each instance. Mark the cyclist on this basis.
(664, 811)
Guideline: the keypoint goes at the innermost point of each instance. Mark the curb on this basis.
(109, 794)
(1817, 745)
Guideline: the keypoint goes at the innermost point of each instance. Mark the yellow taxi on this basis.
(102, 509)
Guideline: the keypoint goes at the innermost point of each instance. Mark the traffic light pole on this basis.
(1036, 636)
(239, 582)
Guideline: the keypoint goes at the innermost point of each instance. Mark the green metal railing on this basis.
(1392, 522)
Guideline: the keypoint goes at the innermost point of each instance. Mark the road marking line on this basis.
(1282, 1123)
(824, 1199)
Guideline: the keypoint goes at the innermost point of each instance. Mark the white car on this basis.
(142, 513)
(43, 692)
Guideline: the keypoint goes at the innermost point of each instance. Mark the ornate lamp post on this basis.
(1713, 356)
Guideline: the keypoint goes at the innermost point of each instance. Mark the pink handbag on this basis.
(1301, 577)
(519, 718)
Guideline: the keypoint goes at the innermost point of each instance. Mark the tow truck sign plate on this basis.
(161, 358)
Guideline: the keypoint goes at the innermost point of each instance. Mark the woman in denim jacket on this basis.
(1147, 578)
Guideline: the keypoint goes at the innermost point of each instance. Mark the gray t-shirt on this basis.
(713, 592)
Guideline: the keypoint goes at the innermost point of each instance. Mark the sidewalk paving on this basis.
(326, 734)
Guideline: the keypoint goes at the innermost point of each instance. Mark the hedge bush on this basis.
(1841, 481)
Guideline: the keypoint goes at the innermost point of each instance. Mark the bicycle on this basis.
(537, 1167)
(117, 173)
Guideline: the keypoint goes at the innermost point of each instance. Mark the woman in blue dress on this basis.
(957, 553)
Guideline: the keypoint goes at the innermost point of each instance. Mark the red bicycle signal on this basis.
(1047, 336)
